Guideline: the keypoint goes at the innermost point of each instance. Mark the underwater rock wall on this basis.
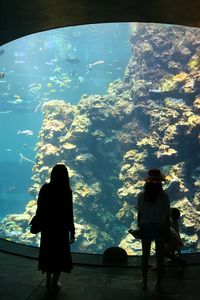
(150, 118)
(164, 79)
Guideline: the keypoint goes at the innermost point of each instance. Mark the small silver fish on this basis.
(5, 112)
(50, 63)
(25, 132)
(19, 54)
(73, 60)
(19, 62)
(98, 62)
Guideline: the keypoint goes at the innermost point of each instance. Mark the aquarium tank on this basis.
(109, 101)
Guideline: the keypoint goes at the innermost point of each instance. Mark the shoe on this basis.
(158, 288)
(56, 287)
(182, 263)
(143, 285)
(48, 285)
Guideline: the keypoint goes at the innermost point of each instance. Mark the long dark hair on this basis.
(152, 190)
(59, 176)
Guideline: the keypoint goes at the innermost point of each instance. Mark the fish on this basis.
(22, 157)
(35, 87)
(50, 63)
(54, 60)
(37, 107)
(16, 101)
(155, 91)
(5, 112)
(52, 78)
(75, 34)
(57, 69)
(13, 101)
(25, 132)
(81, 79)
(2, 74)
(2, 51)
(31, 85)
(19, 62)
(19, 54)
(35, 68)
(60, 83)
(73, 60)
(11, 188)
(176, 100)
(98, 62)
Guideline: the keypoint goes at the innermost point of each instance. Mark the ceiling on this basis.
(21, 17)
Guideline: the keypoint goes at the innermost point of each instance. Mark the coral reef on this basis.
(150, 118)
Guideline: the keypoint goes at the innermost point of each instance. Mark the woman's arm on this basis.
(139, 211)
(139, 219)
(71, 219)
(41, 201)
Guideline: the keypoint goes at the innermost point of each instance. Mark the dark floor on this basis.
(19, 279)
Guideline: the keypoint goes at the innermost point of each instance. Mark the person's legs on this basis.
(146, 246)
(48, 279)
(55, 279)
(160, 251)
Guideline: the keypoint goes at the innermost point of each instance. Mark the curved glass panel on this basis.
(110, 101)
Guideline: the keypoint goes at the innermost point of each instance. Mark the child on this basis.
(172, 248)
(175, 216)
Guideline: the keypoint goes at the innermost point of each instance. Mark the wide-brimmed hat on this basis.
(154, 175)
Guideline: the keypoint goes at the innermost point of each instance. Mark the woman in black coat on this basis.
(55, 212)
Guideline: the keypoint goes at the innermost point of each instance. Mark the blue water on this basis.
(42, 67)
(33, 62)
(64, 64)
(16, 171)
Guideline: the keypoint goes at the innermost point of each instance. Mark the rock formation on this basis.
(149, 118)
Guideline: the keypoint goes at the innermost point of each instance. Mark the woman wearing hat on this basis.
(154, 222)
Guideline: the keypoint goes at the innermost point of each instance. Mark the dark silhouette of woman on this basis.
(55, 212)
(154, 222)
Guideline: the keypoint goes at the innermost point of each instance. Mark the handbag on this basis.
(35, 224)
(136, 232)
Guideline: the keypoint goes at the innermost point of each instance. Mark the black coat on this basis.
(55, 212)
